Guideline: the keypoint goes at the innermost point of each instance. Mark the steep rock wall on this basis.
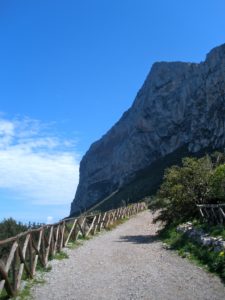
(180, 106)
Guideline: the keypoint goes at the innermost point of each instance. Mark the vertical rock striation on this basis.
(180, 106)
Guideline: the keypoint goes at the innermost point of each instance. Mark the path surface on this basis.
(127, 263)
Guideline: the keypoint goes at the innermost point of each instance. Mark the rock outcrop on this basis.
(179, 110)
(198, 235)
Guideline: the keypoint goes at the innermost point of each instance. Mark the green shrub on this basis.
(10, 227)
(218, 183)
(197, 181)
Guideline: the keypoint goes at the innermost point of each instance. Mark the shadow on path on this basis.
(139, 239)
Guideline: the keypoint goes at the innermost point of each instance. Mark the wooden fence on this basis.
(21, 255)
(214, 213)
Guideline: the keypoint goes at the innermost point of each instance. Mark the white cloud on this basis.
(49, 220)
(35, 164)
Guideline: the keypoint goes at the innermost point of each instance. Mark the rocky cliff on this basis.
(179, 110)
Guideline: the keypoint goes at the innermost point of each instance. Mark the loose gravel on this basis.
(127, 263)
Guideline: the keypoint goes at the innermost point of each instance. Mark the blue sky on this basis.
(68, 70)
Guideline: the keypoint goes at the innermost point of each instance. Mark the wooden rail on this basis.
(22, 254)
(214, 213)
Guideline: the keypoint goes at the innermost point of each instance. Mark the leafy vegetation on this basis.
(210, 229)
(197, 181)
(218, 183)
(10, 227)
(202, 255)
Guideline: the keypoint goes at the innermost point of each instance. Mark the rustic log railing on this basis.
(214, 213)
(21, 255)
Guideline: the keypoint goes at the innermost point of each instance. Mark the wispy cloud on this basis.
(35, 163)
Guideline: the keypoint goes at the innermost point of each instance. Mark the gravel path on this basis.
(127, 263)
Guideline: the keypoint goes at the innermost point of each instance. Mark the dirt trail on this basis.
(127, 263)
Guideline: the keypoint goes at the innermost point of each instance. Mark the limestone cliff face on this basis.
(179, 105)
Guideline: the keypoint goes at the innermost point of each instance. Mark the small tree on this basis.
(183, 188)
(218, 184)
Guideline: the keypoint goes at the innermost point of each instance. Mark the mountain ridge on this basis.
(180, 105)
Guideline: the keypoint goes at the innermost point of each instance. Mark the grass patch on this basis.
(41, 269)
(74, 245)
(118, 222)
(79, 242)
(213, 230)
(203, 256)
(60, 255)
(25, 292)
(4, 295)
(84, 238)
